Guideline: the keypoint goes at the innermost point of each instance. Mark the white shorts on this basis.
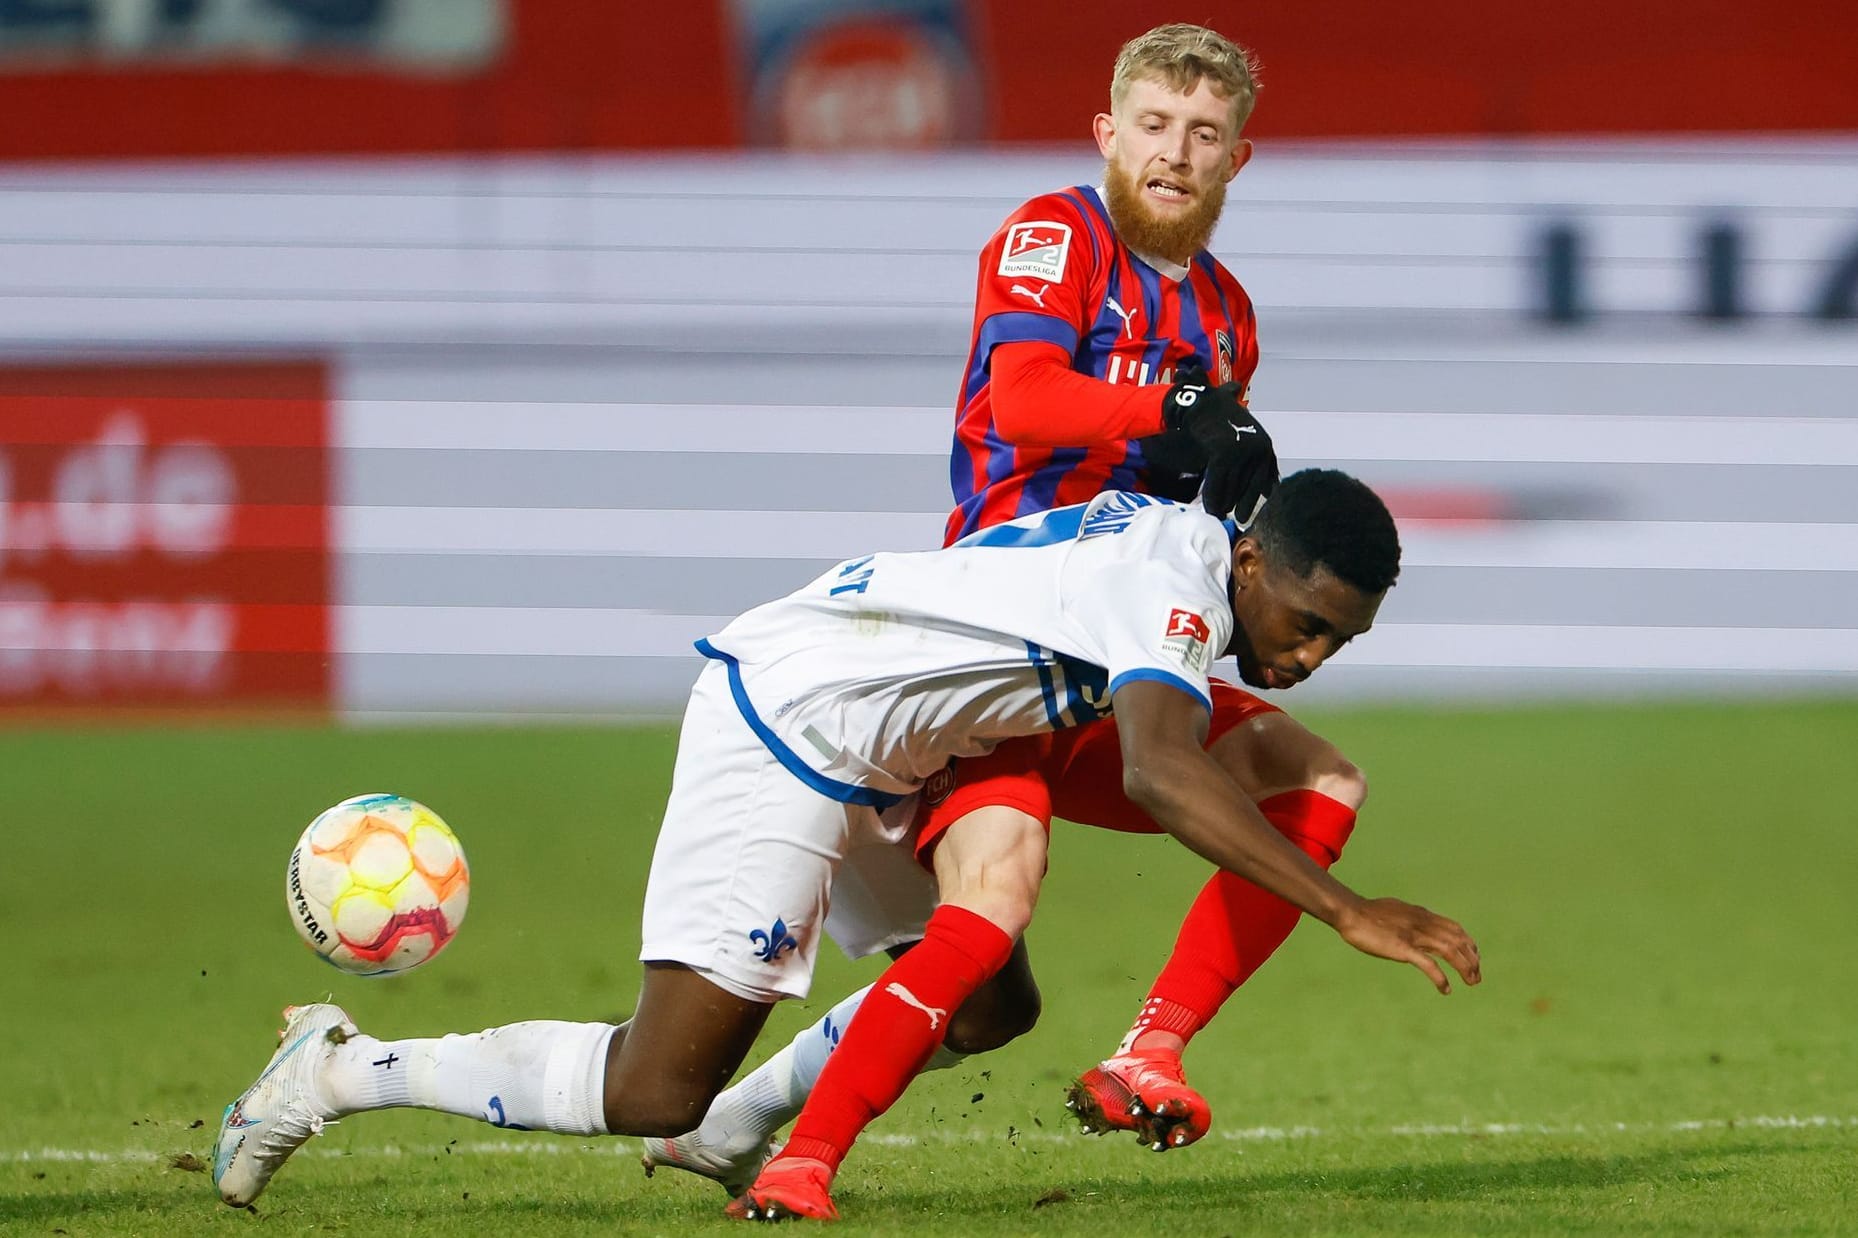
(752, 865)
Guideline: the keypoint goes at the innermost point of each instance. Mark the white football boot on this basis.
(736, 1172)
(283, 1108)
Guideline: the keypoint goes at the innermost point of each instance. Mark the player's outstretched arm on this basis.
(1167, 772)
(1040, 401)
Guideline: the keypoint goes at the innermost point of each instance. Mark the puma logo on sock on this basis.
(936, 1013)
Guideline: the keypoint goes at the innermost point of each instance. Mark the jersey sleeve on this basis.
(1153, 598)
(1035, 274)
(1039, 286)
(1040, 401)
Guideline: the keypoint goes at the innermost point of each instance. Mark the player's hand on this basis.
(1391, 929)
(1241, 463)
(1175, 465)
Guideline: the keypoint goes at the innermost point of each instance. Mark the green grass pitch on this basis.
(1664, 1043)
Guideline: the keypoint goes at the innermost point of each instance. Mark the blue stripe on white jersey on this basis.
(1060, 524)
(1084, 686)
(1111, 513)
(1086, 689)
(831, 788)
(1037, 657)
(1161, 676)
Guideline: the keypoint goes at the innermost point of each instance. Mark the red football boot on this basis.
(1143, 1092)
(789, 1188)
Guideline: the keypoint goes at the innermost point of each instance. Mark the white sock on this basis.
(745, 1116)
(543, 1075)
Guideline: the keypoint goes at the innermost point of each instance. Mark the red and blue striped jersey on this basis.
(1057, 272)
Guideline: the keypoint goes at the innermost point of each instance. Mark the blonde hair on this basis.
(1181, 55)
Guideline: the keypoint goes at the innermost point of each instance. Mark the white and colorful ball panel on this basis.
(377, 884)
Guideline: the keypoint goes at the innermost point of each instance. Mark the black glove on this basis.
(1173, 465)
(1241, 463)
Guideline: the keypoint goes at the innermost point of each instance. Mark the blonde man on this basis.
(1110, 351)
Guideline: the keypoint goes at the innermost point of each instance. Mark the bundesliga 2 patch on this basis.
(1187, 639)
(1037, 249)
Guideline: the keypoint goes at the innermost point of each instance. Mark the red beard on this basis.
(1177, 239)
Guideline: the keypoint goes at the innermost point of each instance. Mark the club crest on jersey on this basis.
(771, 943)
(939, 785)
(1187, 638)
(1037, 249)
(1222, 344)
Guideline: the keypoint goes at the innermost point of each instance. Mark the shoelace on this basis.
(290, 1130)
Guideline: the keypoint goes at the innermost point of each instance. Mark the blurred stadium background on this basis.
(412, 359)
(370, 364)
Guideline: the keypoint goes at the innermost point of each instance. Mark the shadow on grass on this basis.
(1431, 1181)
(45, 1207)
(1049, 1198)
(335, 1210)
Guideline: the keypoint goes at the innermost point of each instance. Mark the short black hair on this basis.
(1325, 518)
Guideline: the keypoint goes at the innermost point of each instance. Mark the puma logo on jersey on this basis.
(936, 1013)
(1127, 315)
(1037, 298)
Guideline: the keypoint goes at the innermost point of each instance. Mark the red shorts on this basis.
(1076, 773)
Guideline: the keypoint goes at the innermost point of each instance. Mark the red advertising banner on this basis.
(548, 75)
(892, 74)
(1365, 68)
(164, 537)
(245, 78)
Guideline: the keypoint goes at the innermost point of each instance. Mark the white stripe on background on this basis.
(1555, 647)
(1490, 437)
(519, 630)
(1565, 438)
(646, 532)
(512, 426)
(589, 632)
(985, 1133)
(654, 533)
(1699, 545)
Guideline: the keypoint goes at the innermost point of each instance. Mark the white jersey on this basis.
(867, 680)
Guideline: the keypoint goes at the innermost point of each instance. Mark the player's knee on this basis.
(993, 865)
(1273, 753)
(1335, 776)
(657, 1112)
(993, 1016)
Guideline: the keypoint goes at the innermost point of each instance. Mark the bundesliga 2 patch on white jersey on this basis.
(867, 680)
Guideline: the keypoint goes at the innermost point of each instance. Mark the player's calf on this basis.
(1001, 1010)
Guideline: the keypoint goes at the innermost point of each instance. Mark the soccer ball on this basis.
(378, 884)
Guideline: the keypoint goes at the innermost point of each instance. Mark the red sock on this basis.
(1234, 926)
(900, 1023)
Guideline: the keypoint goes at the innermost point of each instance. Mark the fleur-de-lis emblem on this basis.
(773, 942)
